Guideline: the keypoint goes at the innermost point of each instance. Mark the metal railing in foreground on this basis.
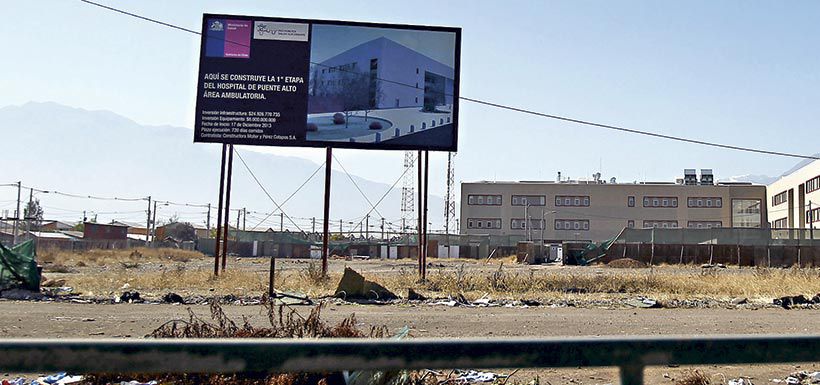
(631, 354)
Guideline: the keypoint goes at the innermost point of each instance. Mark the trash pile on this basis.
(790, 301)
(484, 301)
(800, 378)
(54, 379)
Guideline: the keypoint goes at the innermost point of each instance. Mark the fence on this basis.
(631, 355)
(737, 246)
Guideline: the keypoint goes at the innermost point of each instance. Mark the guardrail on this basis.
(631, 355)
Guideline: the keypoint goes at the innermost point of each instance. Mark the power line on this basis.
(512, 108)
(264, 189)
(292, 195)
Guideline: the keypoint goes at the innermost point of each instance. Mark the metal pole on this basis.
(326, 223)
(147, 223)
(811, 223)
(227, 207)
(426, 243)
(17, 213)
(421, 211)
(208, 220)
(271, 290)
(154, 226)
(282, 221)
(367, 226)
(244, 218)
(219, 210)
(236, 233)
(313, 221)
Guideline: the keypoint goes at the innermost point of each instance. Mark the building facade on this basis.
(594, 211)
(415, 80)
(794, 199)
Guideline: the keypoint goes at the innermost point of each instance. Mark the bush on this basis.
(338, 118)
(375, 125)
(312, 127)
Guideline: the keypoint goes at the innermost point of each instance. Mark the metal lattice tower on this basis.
(408, 190)
(450, 201)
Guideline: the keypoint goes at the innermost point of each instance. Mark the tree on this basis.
(33, 215)
(351, 90)
(181, 231)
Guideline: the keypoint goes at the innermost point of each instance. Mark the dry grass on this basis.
(693, 377)
(284, 323)
(107, 257)
(502, 282)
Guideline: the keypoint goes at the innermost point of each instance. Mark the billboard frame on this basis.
(338, 144)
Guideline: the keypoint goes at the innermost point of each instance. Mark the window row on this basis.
(660, 202)
(704, 224)
(572, 224)
(708, 202)
(484, 200)
(782, 223)
(780, 198)
(660, 224)
(572, 201)
(529, 200)
(521, 224)
(483, 223)
(813, 184)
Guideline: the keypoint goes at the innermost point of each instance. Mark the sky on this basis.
(738, 72)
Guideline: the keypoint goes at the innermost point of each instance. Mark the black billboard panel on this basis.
(317, 83)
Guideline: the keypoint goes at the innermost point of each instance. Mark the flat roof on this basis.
(587, 183)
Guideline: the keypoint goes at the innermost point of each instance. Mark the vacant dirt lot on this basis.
(595, 295)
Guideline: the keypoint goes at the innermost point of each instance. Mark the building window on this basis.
(660, 202)
(574, 201)
(746, 213)
(532, 200)
(630, 201)
(484, 223)
(417, 100)
(572, 224)
(813, 215)
(630, 224)
(707, 202)
(780, 198)
(484, 200)
(813, 184)
(417, 72)
(781, 223)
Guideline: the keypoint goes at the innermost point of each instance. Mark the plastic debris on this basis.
(172, 298)
(740, 381)
(473, 376)
(644, 303)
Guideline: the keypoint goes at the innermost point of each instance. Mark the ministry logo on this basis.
(216, 26)
(270, 30)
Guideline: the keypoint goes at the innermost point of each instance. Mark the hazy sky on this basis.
(739, 72)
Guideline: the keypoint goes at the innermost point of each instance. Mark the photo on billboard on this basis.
(316, 83)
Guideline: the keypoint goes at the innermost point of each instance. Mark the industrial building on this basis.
(794, 199)
(567, 210)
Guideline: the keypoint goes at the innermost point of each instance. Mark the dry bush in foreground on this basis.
(693, 377)
(283, 324)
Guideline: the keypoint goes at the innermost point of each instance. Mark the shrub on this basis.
(375, 125)
(312, 127)
(338, 118)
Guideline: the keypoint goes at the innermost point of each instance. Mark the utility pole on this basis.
(313, 221)
(282, 221)
(238, 217)
(340, 227)
(208, 220)
(17, 213)
(367, 226)
(153, 225)
(326, 211)
(382, 237)
(244, 218)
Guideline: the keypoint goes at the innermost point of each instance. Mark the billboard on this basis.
(318, 83)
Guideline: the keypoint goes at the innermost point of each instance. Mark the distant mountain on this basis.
(800, 165)
(53, 146)
(756, 179)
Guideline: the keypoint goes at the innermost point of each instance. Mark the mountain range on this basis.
(50, 146)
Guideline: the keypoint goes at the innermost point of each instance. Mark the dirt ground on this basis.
(20, 319)
(28, 319)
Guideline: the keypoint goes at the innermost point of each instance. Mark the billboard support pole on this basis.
(227, 208)
(326, 223)
(219, 210)
(420, 228)
(426, 243)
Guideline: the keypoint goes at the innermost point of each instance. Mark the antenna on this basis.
(408, 190)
